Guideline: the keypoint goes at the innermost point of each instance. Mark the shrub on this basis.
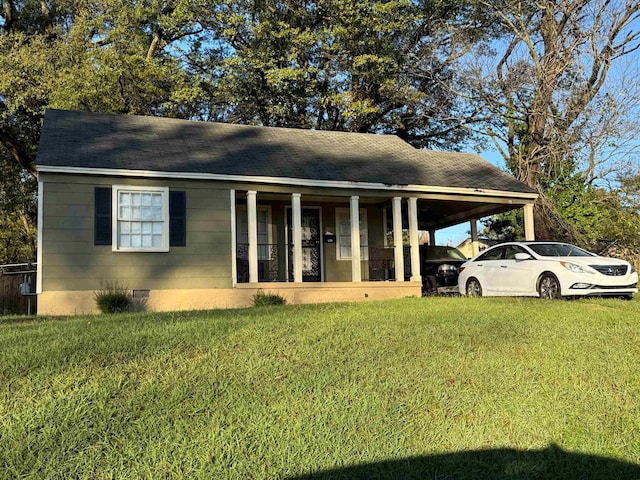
(261, 299)
(114, 298)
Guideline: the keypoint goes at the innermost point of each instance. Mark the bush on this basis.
(261, 299)
(114, 298)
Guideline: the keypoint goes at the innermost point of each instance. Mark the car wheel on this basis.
(549, 287)
(474, 289)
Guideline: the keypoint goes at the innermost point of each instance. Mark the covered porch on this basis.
(303, 237)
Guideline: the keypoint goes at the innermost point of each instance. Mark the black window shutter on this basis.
(102, 234)
(177, 219)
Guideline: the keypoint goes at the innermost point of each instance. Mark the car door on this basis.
(486, 268)
(516, 276)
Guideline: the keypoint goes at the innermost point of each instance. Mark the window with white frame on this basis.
(141, 219)
(343, 227)
(263, 213)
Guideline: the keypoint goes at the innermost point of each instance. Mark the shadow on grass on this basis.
(499, 464)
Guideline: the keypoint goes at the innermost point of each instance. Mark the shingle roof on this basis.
(106, 141)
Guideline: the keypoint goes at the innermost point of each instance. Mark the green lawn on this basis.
(443, 388)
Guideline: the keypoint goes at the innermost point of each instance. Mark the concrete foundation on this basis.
(81, 302)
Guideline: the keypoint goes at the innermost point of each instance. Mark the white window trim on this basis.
(115, 211)
(364, 233)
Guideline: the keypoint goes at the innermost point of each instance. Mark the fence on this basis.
(12, 280)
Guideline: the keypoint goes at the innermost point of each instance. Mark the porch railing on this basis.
(271, 262)
(406, 255)
(382, 263)
(274, 267)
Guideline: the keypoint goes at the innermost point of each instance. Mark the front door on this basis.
(311, 244)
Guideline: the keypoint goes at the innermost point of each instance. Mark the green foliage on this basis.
(377, 66)
(599, 216)
(114, 298)
(437, 386)
(104, 56)
(373, 66)
(595, 217)
(17, 215)
(507, 227)
(263, 299)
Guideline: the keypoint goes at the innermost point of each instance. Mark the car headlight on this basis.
(447, 269)
(572, 267)
(633, 268)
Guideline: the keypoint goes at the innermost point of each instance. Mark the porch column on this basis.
(414, 240)
(475, 247)
(398, 254)
(356, 268)
(432, 238)
(529, 229)
(297, 237)
(252, 228)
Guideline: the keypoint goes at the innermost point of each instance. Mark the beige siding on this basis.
(71, 261)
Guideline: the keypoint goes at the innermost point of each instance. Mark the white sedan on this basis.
(545, 269)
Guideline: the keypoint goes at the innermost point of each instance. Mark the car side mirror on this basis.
(523, 256)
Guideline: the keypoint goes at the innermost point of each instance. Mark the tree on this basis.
(549, 93)
(372, 66)
(102, 56)
(17, 215)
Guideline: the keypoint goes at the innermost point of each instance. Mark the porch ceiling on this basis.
(437, 214)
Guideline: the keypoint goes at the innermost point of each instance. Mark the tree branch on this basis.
(19, 154)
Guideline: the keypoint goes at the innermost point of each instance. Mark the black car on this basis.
(439, 268)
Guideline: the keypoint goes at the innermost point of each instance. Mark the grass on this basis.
(415, 388)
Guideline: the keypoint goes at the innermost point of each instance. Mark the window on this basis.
(511, 250)
(343, 227)
(263, 213)
(558, 250)
(493, 254)
(141, 219)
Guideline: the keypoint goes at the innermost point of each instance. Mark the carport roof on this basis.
(83, 140)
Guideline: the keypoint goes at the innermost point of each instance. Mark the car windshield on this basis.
(558, 250)
(438, 253)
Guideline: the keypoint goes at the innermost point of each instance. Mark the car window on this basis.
(438, 253)
(558, 250)
(493, 254)
(511, 250)
(455, 254)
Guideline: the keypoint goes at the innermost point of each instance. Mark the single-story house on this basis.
(193, 215)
